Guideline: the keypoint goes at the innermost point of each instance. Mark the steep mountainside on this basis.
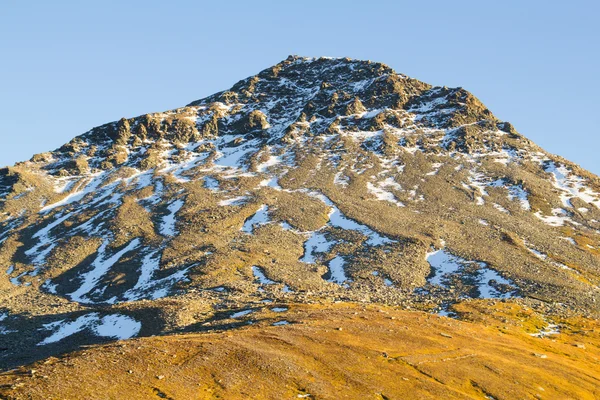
(314, 181)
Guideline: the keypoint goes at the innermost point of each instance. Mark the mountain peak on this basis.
(306, 73)
(324, 91)
(316, 179)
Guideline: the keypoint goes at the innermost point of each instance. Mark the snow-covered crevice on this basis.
(101, 265)
(178, 169)
(362, 136)
(414, 196)
(156, 197)
(147, 286)
(341, 179)
(144, 180)
(167, 226)
(16, 281)
(91, 187)
(317, 242)
(339, 220)
(488, 283)
(430, 105)
(476, 181)
(64, 184)
(115, 326)
(6, 231)
(272, 182)
(506, 156)
(517, 192)
(94, 225)
(228, 156)
(45, 244)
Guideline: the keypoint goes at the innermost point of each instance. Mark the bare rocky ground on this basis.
(315, 181)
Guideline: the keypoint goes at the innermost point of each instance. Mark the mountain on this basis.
(317, 183)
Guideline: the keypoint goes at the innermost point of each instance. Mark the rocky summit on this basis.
(319, 186)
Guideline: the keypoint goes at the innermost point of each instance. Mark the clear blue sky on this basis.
(67, 66)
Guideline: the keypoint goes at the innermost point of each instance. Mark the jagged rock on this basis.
(122, 133)
(355, 107)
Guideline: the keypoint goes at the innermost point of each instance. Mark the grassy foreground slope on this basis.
(337, 351)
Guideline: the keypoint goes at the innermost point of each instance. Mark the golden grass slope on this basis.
(336, 351)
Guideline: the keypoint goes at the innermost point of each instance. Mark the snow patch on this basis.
(273, 160)
(270, 182)
(261, 217)
(235, 201)
(316, 243)
(240, 314)
(571, 186)
(382, 194)
(211, 183)
(232, 156)
(480, 183)
(336, 271)
(545, 257)
(445, 265)
(340, 179)
(558, 218)
(436, 168)
(262, 279)
(549, 330)
(116, 326)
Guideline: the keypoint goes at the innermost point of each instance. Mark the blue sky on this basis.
(67, 66)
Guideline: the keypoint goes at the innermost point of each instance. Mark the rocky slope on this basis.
(316, 180)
